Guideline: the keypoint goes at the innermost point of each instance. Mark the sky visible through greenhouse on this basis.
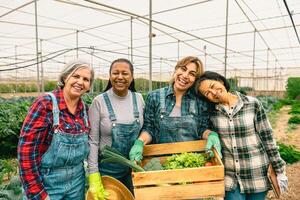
(261, 40)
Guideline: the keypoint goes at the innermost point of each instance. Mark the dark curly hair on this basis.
(209, 75)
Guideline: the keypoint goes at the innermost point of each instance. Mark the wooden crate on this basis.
(189, 183)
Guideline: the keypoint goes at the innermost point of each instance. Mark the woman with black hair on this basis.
(116, 117)
(248, 146)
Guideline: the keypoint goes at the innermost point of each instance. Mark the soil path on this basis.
(290, 137)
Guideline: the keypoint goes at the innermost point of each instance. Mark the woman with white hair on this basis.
(54, 138)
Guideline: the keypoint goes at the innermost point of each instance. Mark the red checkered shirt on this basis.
(36, 135)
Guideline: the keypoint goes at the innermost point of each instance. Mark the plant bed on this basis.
(188, 183)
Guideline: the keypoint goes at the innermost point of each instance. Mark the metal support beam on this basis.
(178, 49)
(268, 68)
(37, 48)
(226, 39)
(253, 60)
(77, 35)
(150, 45)
(291, 17)
(42, 67)
(16, 66)
(131, 40)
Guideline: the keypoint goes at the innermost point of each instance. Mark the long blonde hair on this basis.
(185, 61)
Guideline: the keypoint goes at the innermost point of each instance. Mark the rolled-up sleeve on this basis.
(204, 111)
(264, 129)
(150, 115)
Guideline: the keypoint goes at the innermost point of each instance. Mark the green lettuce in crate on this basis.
(186, 160)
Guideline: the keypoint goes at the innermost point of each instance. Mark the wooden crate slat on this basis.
(200, 182)
(173, 192)
(178, 175)
(171, 148)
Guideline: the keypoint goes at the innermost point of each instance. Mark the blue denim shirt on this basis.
(152, 110)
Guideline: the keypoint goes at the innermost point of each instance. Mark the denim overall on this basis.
(62, 167)
(177, 129)
(123, 137)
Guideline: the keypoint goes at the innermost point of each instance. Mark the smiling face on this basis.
(78, 83)
(184, 77)
(120, 78)
(213, 90)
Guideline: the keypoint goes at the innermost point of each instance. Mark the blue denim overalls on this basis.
(62, 167)
(123, 137)
(177, 129)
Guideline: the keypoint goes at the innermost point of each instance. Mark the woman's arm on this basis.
(264, 130)
(94, 135)
(31, 145)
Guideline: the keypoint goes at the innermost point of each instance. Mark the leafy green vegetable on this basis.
(153, 165)
(185, 160)
(112, 155)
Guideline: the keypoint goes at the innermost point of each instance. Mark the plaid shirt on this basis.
(152, 110)
(247, 145)
(36, 136)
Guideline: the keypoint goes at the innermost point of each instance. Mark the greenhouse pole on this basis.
(42, 67)
(150, 45)
(275, 76)
(77, 33)
(178, 46)
(131, 40)
(226, 38)
(160, 71)
(205, 54)
(253, 61)
(16, 68)
(37, 48)
(268, 68)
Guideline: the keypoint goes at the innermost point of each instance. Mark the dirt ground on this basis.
(11, 95)
(291, 137)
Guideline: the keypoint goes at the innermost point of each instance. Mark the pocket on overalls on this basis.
(70, 154)
(124, 138)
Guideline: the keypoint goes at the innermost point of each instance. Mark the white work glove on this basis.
(282, 180)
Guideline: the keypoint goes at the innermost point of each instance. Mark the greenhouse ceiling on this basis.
(245, 35)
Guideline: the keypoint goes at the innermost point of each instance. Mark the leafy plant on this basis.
(8, 167)
(292, 88)
(289, 153)
(294, 120)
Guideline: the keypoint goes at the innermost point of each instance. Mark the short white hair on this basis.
(70, 68)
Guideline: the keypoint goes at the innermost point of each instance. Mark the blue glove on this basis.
(136, 151)
(213, 141)
(282, 182)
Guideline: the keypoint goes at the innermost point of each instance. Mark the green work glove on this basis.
(96, 187)
(136, 151)
(213, 141)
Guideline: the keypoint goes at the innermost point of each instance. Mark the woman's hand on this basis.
(136, 152)
(96, 188)
(282, 180)
(213, 141)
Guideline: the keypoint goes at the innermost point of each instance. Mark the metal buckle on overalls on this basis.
(113, 124)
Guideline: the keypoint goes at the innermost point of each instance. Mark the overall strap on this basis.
(111, 112)
(86, 122)
(55, 110)
(192, 108)
(162, 101)
(135, 106)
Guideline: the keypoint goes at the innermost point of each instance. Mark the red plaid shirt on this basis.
(36, 136)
